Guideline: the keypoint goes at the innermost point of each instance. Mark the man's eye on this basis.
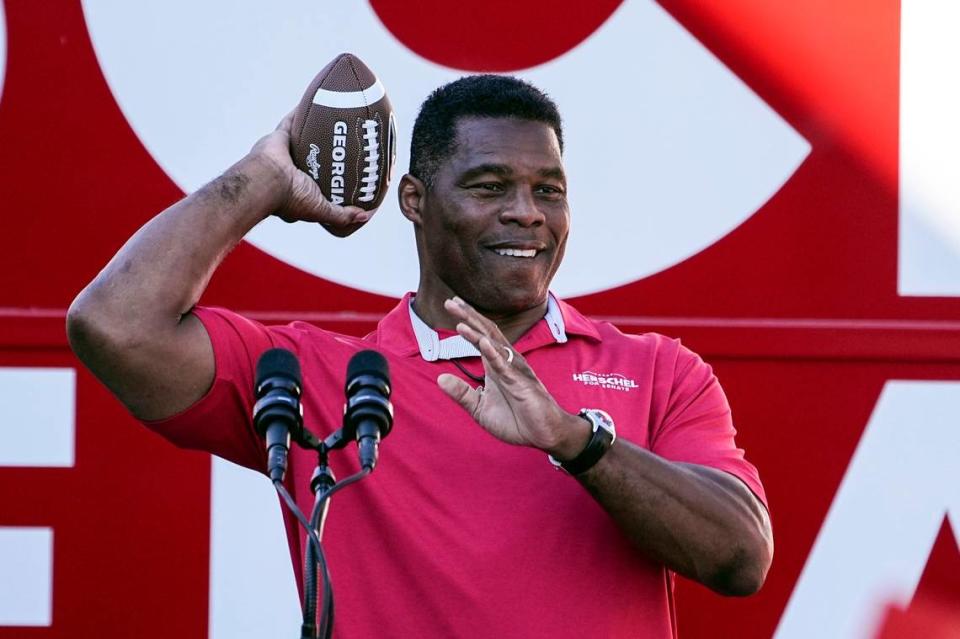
(492, 187)
(547, 189)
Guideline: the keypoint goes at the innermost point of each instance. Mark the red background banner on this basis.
(797, 308)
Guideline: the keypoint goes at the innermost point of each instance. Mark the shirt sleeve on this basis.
(221, 422)
(697, 425)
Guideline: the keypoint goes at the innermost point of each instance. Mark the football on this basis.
(344, 134)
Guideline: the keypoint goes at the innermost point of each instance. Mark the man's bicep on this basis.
(215, 416)
(152, 368)
(698, 426)
(165, 376)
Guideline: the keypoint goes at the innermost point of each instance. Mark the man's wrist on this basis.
(260, 181)
(574, 435)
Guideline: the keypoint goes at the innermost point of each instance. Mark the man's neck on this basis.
(512, 325)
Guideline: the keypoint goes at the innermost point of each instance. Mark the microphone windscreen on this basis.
(368, 363)
(278, 362)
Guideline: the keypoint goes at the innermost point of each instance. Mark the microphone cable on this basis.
(317, 521)
(308, 629)
(314, 528)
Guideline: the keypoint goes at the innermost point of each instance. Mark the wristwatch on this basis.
(604, 434)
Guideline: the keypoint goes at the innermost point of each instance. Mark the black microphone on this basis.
(278, 412)
(368, 415)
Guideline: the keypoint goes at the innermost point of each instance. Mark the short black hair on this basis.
(483, 96)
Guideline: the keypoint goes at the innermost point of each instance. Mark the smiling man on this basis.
(547, 474)
(491, 222)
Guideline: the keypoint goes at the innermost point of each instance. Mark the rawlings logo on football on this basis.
(312, 162)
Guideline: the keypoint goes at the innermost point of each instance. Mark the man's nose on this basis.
(523, 209)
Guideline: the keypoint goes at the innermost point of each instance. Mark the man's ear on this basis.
(410, 195)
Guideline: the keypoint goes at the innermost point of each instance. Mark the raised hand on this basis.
(512, 405)
(299, 198)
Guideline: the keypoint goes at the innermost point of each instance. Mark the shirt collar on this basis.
(433, 347)
(405, 333)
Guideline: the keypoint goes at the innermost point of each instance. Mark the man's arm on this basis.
(132, 324)
(700, 522)
(703, 523)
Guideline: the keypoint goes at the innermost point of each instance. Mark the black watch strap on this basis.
(600, 442)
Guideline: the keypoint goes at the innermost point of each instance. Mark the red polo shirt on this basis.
(457, 534)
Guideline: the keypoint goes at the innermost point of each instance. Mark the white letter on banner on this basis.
(253, 593)
(37, 430)
(929, 255)
(883, 522)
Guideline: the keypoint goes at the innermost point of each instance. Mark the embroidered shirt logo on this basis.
(612, 381)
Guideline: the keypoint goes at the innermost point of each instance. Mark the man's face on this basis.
(495, 221)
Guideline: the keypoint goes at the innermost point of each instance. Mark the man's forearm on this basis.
(128, 325)
(161, 271)
(131, 325)
(700, 522)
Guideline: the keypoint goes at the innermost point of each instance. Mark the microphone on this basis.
(368, 415)
(277, 412)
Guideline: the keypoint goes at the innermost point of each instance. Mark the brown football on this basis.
(344, 135)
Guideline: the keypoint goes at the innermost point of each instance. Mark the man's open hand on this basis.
(512, 405)
(299, 199)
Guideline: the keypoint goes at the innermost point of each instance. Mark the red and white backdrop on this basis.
(775, 183)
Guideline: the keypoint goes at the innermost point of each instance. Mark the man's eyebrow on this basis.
(503, 170)
(483, 169)
(555, 173)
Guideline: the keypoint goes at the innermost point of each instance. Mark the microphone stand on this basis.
(323, 484)
(320, 484)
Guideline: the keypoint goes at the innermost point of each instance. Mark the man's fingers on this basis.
(286, 123)
(484, 324)
(494, 356)
(347, 220)
(308, 203)
(498, 355)
(469, 333)
(460, 392)
(507, 364)
(489, 340)
(345, 215)
(474, 325)
(473, 318)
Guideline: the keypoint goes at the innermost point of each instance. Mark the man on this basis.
(464, 530)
